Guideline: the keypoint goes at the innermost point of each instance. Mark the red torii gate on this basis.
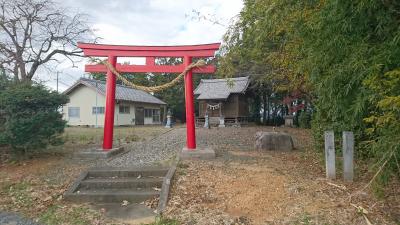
(187, 52)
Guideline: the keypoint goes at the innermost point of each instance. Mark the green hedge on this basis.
(30, 117)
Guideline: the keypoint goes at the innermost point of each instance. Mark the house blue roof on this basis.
(121, 93)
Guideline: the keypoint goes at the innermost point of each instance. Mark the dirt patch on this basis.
(214, 193)
(250, 187)
(244, 192)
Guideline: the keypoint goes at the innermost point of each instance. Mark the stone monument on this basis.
(273, 141)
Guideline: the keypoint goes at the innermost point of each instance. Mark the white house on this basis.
(132, 107)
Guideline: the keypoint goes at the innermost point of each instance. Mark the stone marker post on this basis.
(221, 122)
(206, 121)
(169, 123)
(330, 155)
(348, 156)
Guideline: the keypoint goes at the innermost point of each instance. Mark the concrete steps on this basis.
(108, 185)
(127, 172)
(121, 183)
(116, 195)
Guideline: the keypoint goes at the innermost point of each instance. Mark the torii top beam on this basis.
(150, 52)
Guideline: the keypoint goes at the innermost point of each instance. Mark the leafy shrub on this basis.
(352, 53)
(384, 124)
(29, 117)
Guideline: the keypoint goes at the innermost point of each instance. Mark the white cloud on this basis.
(149, 22)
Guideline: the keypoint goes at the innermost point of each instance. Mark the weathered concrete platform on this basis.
(98, 153)
(198, 153)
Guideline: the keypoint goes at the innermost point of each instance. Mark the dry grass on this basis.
(34, 186)
(85, 135)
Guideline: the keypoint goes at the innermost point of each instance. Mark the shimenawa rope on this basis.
(162, 87)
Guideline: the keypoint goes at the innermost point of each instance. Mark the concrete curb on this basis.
(98, 153)
(70, 193)
(198, 153)
(164, 194)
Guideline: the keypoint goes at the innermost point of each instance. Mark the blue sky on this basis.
(146, 22)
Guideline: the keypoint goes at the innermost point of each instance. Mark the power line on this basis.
(62, 79)
(61, 82)
(69, 80)
(69, 75)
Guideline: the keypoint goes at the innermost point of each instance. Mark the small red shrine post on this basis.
(187, 52)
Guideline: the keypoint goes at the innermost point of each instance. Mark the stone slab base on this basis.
(130, 214)
(98, 153)
(198, 153)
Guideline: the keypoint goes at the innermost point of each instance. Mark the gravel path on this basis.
(14, 219)
(160, 148)
(165, 146)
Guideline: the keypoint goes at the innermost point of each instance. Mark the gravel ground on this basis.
(165, 146)
(14, 219)
(160, 148)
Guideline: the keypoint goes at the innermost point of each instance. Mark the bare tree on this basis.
(34, 32)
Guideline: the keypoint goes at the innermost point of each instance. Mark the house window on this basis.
(124, 109)
(74, 112)
(156, 115)
(97, 110)
(148, 113)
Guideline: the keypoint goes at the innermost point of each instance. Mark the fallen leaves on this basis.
(152, 203)
(277, 189)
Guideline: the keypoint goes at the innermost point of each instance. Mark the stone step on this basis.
(113, 195)
(124, 182)
(127, 172)
(113, 184)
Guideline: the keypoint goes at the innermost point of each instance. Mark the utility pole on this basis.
(96, 104)
(57, 80)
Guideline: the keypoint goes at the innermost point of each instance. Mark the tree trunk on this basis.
(15, 72)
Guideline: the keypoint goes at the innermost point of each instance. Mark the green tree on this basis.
(263, 43)
(342, 56)
(348, 44)
(29, 118)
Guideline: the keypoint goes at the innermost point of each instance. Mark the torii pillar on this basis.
(187, 52)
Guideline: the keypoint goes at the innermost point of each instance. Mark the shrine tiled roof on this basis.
(221, 88)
